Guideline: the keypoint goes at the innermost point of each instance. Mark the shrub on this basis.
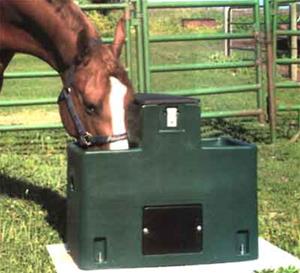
(105, 24)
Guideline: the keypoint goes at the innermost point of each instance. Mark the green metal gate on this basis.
(141, 69)
(273, 61)
(144, 7)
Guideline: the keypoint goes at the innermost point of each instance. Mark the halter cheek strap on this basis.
(85, 139)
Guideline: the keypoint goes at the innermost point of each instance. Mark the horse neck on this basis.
(57, 27)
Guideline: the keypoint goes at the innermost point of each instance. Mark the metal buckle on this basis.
(86, 139)
(62, 94)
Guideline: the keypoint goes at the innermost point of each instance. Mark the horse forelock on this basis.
(108, 59)
(112, 65)
(97, 55)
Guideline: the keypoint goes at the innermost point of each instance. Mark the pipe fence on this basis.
(141, 69)
(149, 69)
(271, 12)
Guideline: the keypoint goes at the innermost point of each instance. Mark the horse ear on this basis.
(83, 46)
(120, 36)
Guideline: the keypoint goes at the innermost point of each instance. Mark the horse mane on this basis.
(61, 35)
(58, 2)
(70, 13)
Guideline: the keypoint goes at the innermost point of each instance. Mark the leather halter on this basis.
(85, 139)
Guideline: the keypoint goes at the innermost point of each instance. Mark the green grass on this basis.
(33, 164)
(31, 202)
(33, 181)
(280, 195)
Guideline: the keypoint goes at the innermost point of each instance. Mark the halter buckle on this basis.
(85, 140)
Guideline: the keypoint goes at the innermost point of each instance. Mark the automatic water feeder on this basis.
(175, 199)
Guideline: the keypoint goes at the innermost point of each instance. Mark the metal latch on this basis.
(172, 116)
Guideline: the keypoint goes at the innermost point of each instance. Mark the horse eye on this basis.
(90, 109)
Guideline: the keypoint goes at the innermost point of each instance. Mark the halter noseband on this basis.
(85, 138)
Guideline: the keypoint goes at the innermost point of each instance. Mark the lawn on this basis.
(33, 164)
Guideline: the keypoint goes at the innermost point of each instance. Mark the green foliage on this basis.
(82, 2)
(170, 22)
(243, 24)
(290, 269)
(105, 24)
(283, 17)
(219, 57)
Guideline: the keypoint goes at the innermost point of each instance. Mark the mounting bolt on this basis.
(100, 258)
(146, 231)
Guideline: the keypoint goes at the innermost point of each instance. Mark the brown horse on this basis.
(97, 92)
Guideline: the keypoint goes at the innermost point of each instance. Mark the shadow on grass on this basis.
(49, 200)
(239, 130)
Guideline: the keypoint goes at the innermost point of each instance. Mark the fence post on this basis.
(271, 101)
(128, 52)
(146, 43)
(227, 29)
(294, 42)
(259, 60)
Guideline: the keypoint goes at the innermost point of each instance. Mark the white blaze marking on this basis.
(116, 104)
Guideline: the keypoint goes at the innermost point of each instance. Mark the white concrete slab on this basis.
(270, 257)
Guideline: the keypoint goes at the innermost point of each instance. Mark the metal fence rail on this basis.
(229, 23)
(142, 40)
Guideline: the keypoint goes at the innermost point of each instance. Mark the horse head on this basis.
(99, 89)
(94, 102)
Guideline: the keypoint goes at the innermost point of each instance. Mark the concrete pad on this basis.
(270, 257)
